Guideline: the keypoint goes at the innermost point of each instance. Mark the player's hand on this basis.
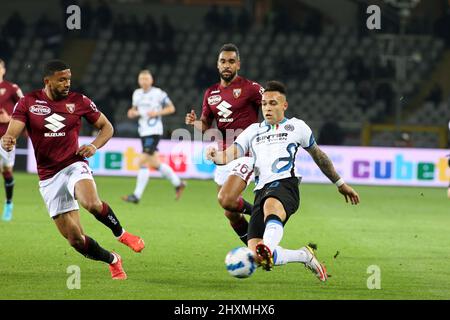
(211, 153)
(349, 193)
(8, 142)
(191, 118)
(152, 114)
(86, 150)
(132, 113)
(4, 116)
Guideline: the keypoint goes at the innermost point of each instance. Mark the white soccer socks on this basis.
(141, 182)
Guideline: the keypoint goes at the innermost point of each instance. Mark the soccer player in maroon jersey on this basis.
(10, 93)
(234, 104)
(52, 117)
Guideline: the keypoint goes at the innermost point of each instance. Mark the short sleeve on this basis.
(15, 95)
(90, 111)
(20, 110)
(306, 137)
(134, 99)
(165, 100)
(257, 94)
(244, 139)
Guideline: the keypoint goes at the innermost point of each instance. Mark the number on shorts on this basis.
(244, 168)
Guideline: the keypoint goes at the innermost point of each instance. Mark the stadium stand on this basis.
(332, 72)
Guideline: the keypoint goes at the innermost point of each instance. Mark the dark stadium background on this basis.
(354, 86)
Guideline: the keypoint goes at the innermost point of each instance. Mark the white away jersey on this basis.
(152, 100)
(274, 148)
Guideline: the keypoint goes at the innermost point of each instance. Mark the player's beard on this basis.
(228, 78)
(59, 95)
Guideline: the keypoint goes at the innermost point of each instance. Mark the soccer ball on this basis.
(240, 262)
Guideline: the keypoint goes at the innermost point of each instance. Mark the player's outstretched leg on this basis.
(88, 198)
(69, 226)
(305, 255)
(9, 187)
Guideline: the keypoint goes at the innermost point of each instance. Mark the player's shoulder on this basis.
(9, 84)
(158, 91)
(36, 95)
(213, 89)
(296, 121)
(250, 83)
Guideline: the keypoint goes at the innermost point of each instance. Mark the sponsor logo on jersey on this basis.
(212, 100)
(215, 91)
(237, 92)
(289, 127)
(70, 107)
(39, 110)
(282, 136)
(224, 112)
(2, 91)
(40, 101)
(93, 106)
(55, 123)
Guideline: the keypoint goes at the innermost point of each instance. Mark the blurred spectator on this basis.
(49, 31)
(356, 69)
(331, 134)
(166, 40)
(86, 18)
(313, 23)
(14, 27)
(149, 29)
(404, 141)
(226, 20)
(385, 93)
(293, 67)
(442, 27)
(167, 33)
(244, 21)
(435, 95)
(5, 49)
(204, 76)
(364, 94)
(212, 19)
(280, 21)
(103, 15)
(119, 27)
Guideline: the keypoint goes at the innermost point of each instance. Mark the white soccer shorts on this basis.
(241, 167)
(58, 191)
(7, 158)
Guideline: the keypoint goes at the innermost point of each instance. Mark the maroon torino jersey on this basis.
(234, 107)
(53, 127)
(8, 98)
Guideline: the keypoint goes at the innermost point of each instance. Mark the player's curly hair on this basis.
(230, 47)
(274, 85)
(53, 66)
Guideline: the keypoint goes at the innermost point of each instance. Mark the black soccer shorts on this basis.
(150, 144)
(286, 191)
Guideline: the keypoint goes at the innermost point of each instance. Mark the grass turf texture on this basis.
(404, 231)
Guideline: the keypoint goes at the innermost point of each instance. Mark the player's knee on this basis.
(94, 206)
(226, 201)
(272, 205)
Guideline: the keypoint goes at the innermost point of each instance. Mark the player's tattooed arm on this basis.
(323, 162)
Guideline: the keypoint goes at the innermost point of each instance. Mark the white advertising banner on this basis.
(357, 165)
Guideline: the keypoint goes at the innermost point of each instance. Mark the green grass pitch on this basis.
(403, 231)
